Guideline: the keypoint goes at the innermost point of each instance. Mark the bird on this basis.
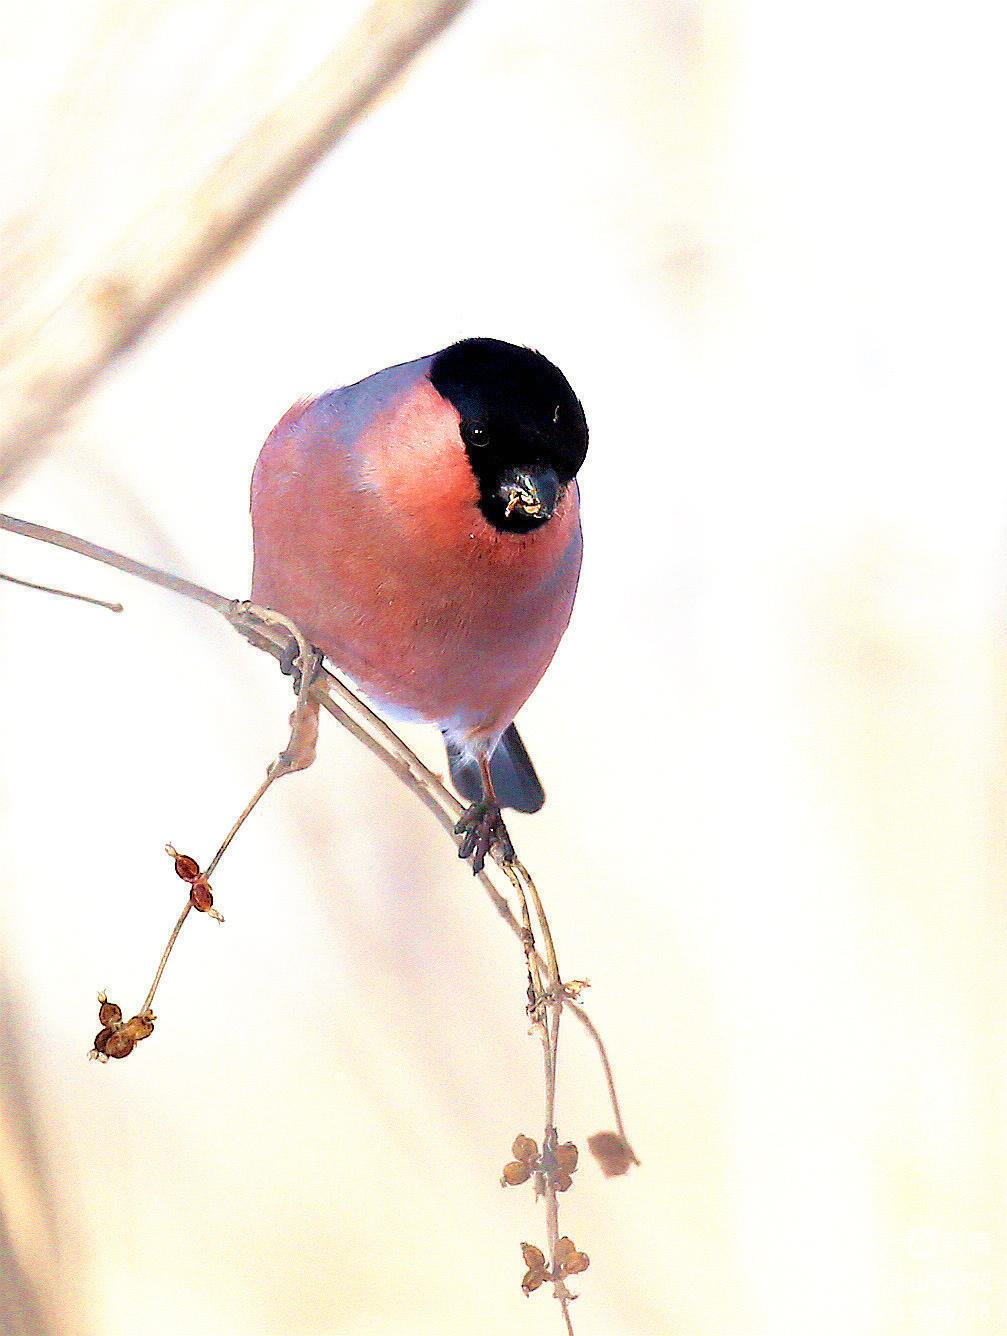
(421, 527)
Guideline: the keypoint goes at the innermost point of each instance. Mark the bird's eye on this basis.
(478, 434)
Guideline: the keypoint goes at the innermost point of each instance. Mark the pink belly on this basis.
(415, 597)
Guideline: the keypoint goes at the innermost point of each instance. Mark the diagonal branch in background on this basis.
(45, 378)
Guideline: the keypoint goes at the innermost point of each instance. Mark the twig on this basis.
(606, 1067)
(57, 538)
(273, 773)
(62, 593)
(271, 632)
(148, 1001)
(356, 718)
(548, 1025)
(382, 742)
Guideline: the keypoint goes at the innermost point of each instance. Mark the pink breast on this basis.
(377, 549)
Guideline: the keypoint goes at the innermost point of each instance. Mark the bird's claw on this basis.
(481, 827)
(288, 659)
(290, 663)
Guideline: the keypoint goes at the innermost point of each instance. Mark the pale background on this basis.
(765, 243)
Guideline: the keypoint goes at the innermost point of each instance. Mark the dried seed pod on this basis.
(533, 1256)
(119, 1044)
(567, 1156)
(524, 1148)
(118, 1038)
(100, 1040)
(514, 1174)
(139, 1027)
(534, 1278)
(561, 1180)
(187, 868)
(576, 1262)
(200, 895)
(611, 1152)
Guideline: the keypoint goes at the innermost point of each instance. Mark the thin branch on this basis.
(348, 710)
(57, 538)
(148, 1001)
(62, 593)
(269, 631)
(606, 1067)
(550, 1003)
(253, 802)
(381, 742)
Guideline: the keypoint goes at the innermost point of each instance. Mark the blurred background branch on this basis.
(51, 355)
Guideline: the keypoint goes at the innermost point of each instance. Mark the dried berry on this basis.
(514, 1174)
(108, 1012)
(576, 1262)
(561, 1180)
(534, 1278)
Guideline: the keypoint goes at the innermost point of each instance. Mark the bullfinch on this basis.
(422, 528)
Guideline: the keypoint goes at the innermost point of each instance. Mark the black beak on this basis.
(532, 492)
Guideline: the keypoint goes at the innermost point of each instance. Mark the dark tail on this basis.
(511, 770)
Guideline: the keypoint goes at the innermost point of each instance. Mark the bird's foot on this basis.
(301, 668)
(481, 827)
(292, 665)
(288, 660)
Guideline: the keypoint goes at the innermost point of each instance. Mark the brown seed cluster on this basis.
(117, 1038)
(568, 1262)
(200, 895)
(556, 1165)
